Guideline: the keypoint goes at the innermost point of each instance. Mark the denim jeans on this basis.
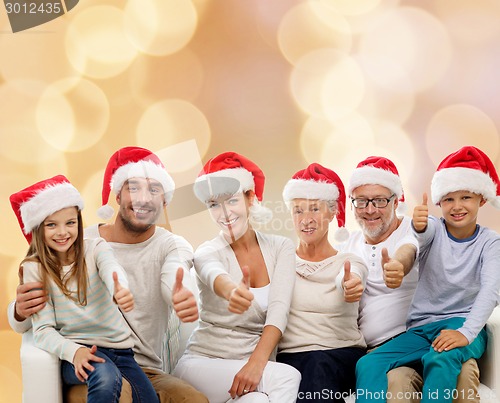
(105, 382)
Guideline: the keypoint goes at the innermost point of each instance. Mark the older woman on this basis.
(322, 339)
(246, 280)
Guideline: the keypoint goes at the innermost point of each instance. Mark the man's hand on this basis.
(30, 298)
(184, 302)
(241, 297)
(353, 288)
(448, 340)
(421, 215)
(123, 297)
(394, 270)
(82, 359)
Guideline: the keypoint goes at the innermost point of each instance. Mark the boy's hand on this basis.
(123, 297)
(82, 359)
(448, 340)
(421, 215)
(183, 300)
(394, 270)
(353, 288)
(241, 297)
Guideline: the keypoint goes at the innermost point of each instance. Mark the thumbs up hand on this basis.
(393, 270)
(183, 300)
(353, 288)
(421, 215)
(241, 297)
(122, 296)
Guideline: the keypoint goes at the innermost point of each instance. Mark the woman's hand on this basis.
(247, 379)
(240, 298)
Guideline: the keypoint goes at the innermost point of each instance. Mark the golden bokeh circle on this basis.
(159, 27)
(408, 36)
(349, 7)
(173, 121)
(72, 115)
(302, 30)
(455, 126)
(96, 44)
(327, 83)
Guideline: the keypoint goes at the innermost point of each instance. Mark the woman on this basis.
(322, 339)
(246, 280)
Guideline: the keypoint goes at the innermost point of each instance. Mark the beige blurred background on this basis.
(284, 82)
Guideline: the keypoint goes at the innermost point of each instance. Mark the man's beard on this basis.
(376, 232)
(138, 228)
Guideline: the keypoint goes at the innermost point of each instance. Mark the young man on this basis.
(389, 249)
(458, 282)
(156, 261)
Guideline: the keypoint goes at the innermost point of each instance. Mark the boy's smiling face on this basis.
(460, 211)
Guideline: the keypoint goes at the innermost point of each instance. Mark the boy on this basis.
(458, 283)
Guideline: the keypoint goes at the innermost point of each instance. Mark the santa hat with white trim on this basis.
(132, 162)
(319, 183)
(466, 169)
(381, 171)
(230, 173)
(35, 203)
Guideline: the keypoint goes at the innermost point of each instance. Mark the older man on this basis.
(389, 249)
(156, 261)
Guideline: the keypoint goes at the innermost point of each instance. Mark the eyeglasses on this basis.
(378, 202)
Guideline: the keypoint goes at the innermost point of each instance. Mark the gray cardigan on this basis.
(222, 334)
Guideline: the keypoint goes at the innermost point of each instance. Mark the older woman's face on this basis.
(230, 213)
(311, 219)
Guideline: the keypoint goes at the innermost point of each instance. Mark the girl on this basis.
(246, 280)
(80, 322)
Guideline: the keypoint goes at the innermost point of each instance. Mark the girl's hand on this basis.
(82, 359)
(448, 340)
(123, 297)
(247, 379)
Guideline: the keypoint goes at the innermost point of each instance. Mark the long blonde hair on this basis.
(51, 266)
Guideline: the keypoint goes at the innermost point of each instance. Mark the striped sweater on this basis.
(63, 325)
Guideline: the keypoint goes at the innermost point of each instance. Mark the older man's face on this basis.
(376, 223)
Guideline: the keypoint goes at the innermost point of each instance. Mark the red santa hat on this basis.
(378, 171)
(229, 173)
(319, 183)
(467, 169)
(132, 162)
(35, 203)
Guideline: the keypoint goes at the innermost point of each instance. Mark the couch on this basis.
(42, 383)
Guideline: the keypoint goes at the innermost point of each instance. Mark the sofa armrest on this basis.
(40, 373)
(489, 364)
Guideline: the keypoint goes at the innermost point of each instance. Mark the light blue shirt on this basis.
(457, 278)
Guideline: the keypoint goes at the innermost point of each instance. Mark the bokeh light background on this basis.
(284, 82)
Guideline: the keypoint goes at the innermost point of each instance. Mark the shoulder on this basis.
(275, 240)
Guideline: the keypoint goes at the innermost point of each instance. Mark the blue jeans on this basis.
(105, 382)
(441, 370)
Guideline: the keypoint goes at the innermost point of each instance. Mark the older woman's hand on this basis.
(353, 287)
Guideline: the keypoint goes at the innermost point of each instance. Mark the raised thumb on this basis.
(118, 287)
(347, 270)
(246, 276)
(385, 256)
(178, 279)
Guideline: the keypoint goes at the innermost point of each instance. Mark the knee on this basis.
(363, 364)
(404, 379)
(106, 376)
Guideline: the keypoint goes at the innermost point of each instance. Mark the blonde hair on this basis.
(51, 266)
